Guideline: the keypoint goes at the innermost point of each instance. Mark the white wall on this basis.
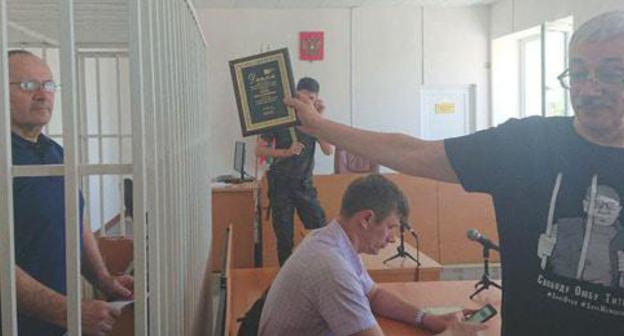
(457, 52)
(237, 33)
(509, 16)
(373, 65)
(387, 71)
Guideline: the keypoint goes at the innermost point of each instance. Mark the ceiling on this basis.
(106, 21)
(95, 21)
(332, 3)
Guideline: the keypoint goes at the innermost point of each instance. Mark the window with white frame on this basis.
(530, 76)
(557, 37)
(525, 67)
(104, 81)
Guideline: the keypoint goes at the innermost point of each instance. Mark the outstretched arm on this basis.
(386, 304)
(400, 152)
(326, 147)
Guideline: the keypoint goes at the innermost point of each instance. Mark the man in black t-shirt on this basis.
(556, 185)
(290, 175)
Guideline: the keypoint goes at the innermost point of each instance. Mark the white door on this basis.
(447, 111)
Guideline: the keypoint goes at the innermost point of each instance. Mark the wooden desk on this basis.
(440, 294)
(401, 269)
(249, 284)
(235, 204)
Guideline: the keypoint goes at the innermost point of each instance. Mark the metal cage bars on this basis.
(171, 195)
(70, 140)
(7, 257)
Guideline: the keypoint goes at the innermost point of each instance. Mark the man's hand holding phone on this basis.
(482, 315)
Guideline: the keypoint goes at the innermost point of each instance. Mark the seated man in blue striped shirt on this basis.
(324, 289)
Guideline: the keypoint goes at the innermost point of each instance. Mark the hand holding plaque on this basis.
(261, 82)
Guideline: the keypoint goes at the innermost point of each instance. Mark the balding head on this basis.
(30, 110)
(601, 28)
(21, 61)
(21, 52)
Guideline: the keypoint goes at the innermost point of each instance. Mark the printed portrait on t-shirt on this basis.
(588, 248)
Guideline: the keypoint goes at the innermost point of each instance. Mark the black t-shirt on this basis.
(536, 167)
(297, 166)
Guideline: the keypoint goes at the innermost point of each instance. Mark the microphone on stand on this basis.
(408, 227)
(401, 251)
(487, 244)
(475, 235)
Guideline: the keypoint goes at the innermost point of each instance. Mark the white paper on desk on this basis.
(442, 310)
(120, 305)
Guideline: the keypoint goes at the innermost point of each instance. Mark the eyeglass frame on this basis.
(40, 85)
(566, 73)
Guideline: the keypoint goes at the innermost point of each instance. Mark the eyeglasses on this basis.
(33, 85)
(604, 76)
(609, 205)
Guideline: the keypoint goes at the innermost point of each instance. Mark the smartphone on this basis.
(482, 315)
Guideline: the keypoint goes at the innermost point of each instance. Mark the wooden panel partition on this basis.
(459, 212)
(234, 204)
(117, 253)
(441, 213)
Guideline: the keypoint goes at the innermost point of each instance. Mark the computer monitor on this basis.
(239, 158)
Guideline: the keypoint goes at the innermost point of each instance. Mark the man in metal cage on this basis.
(39, 211)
